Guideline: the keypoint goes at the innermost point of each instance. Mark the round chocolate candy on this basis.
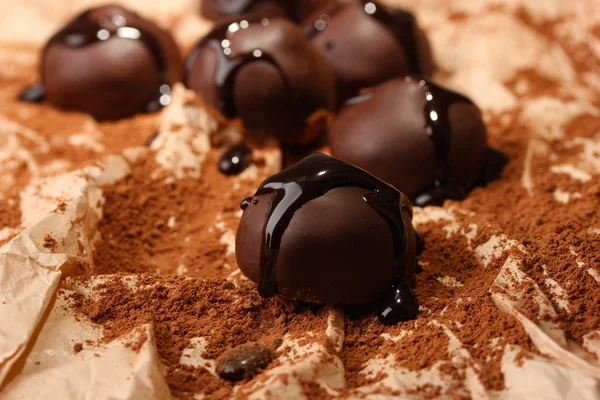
(427, 141)
(325, 231)
(368, 43)
(266, 73)
(294, 9)
(108, 62)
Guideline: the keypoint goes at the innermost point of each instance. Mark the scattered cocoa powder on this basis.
(178, 227)
(50, 242)
(181, 309)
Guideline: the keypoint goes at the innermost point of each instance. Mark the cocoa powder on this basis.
(181, 309)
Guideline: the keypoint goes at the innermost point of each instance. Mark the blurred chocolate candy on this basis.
(108, 62)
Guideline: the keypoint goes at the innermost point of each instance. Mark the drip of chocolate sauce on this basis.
(235, 160)
(401, 23)
(438, 102)
(85, 30)
(437, 126)
(228, 65)
(399, 305)
(311, 178)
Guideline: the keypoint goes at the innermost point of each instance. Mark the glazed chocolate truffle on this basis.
(427, 141)
(294, 9)
(325, 231)
(368, 43)
(266, 73)
(108, 62)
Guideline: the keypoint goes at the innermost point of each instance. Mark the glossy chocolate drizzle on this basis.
(227, 64)
(311, 178)
(235, 160)
(437, 126)
(438, 102)
(399, 305)
(86, 30)
(401, 23)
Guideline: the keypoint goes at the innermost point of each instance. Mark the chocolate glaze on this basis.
(399, 305)
(101, 25)
(265, 72)
(429, 184)
(85, 30)
(313, 177)
(235, 160)
(438, 102)
(228, 66)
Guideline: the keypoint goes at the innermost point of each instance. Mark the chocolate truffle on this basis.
(108, 62)
(325, 231)
(368, 43)
(266, 73)
(427, 141)
(294, 9)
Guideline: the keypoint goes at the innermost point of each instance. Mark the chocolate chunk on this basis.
(427, 141)
(109, 62)
(368, 43)
(243, 361)
(400, 304)
(325, 231)
(34, 94)
(235, 159)
(77, 347)
(277, 343)
(294, 9)
(265, 72)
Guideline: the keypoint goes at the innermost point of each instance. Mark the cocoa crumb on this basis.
(62, 206)
(50, 242)
(77, 347)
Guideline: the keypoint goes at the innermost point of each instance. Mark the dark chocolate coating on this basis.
(427, 141)
(294, 9)
(368, 43)
(325, 231)
(266, 73)
(111, 63)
